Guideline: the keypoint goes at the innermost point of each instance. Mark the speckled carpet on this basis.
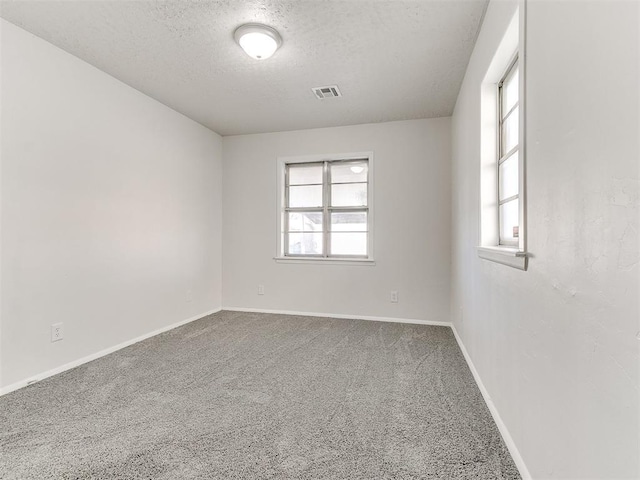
(247, 395)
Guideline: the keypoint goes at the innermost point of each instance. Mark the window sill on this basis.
(326, 261)
(510, 256)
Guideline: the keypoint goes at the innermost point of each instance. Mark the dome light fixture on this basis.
(257, 40)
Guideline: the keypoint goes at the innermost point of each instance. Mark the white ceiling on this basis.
(392, 59)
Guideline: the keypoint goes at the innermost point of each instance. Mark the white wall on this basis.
(411, 228)
(110, 210)
(557, 346)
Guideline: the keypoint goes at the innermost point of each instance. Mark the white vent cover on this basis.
(328, 91)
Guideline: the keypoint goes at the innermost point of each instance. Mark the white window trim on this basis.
(510, 256)
(503, 156)
(489, 248)
(281, 163)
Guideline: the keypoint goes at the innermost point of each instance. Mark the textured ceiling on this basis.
(392, 60)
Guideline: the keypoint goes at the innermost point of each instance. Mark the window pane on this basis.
(305, 174)
(305, 221)
(349, 221)
(509, 218)
(307, 196)
(305, 244)
(510, 91)
(349, 243)
(349, 195)
(510, 132)
(509, 177)
(349, 172)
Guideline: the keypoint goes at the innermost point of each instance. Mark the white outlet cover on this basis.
(57, 332)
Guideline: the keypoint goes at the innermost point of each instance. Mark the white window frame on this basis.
(512, 45)
(282, 210)
(504, 156)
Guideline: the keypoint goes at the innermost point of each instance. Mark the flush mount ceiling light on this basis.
(257, 40)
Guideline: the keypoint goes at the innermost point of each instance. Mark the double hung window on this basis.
(508, 161)
(502, 202)
(326, 209)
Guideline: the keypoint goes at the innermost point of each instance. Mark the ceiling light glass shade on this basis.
(258, 41)
(357, 169)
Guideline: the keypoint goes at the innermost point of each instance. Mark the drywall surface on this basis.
(111, 210)
(557, 346)
(411, 225)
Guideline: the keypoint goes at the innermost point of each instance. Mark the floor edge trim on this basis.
(339, 315)
(502, 428)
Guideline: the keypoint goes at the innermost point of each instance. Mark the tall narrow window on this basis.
(326, 209)
(508, 163)
(502, 203)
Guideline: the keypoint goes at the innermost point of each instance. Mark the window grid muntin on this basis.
(503, 156)
(326, 209)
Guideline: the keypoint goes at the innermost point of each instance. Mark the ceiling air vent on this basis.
(329, 91)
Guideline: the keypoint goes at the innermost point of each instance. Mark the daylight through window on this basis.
(508, 146)
(326, 209)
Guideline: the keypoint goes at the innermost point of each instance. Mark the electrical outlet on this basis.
(394, 296)
(57, 332)
(189, 296)
(260, 289)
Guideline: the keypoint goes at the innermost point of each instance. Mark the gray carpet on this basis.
(246, 395)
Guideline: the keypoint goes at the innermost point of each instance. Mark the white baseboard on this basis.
(339, 315)
(506, 436)
(68, 366)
